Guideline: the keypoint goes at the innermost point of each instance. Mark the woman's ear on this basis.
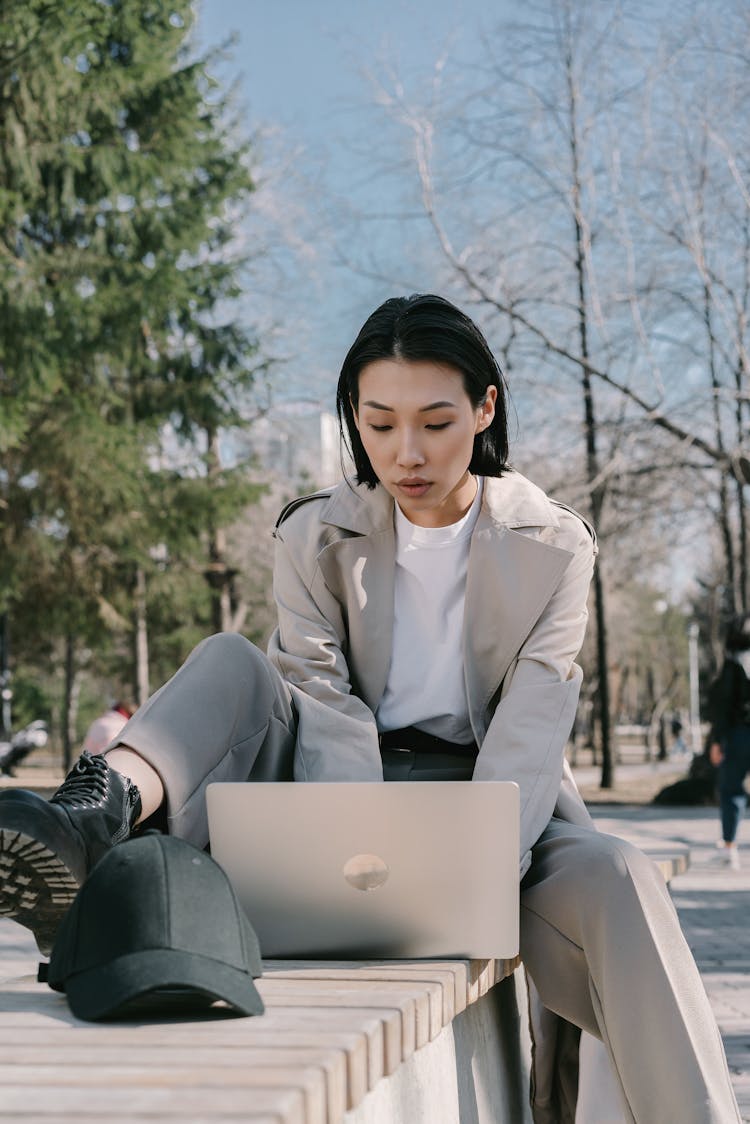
(486, 411)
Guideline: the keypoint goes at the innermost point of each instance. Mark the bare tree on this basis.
(692, 209)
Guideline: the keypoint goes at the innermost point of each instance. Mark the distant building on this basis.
(297, 440)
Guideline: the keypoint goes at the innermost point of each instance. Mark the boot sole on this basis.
(38, 888)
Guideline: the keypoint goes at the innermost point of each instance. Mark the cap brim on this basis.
(100, 992)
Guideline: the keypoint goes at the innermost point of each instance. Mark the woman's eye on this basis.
(380, 428)
(439, 425)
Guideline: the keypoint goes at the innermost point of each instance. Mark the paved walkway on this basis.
(714, 907)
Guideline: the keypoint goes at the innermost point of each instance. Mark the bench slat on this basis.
(451, 978)
(143, 1118)
(397, 1012)
(427, 992)
(239, 1086)
(283, 1106)
(225, 1062)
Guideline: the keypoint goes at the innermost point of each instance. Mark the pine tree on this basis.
(122, 179)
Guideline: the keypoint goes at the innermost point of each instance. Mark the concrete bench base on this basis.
(475, 1071)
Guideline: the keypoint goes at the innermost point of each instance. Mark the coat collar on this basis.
(508, 501)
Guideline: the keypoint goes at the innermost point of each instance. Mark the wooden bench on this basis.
(340, 1043)
(330, 1033)
(672, 859)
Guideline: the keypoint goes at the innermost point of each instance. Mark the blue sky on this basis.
(298, 64)
(298, 59)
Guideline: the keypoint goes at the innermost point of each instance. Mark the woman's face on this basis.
(417, 425)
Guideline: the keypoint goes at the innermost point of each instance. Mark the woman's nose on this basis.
(409, 451)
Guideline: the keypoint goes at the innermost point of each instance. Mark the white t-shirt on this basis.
(425, 686)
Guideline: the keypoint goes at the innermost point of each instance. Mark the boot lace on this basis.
(86, 785)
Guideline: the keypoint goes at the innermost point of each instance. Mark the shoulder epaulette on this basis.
(298, 502)
(578, 515)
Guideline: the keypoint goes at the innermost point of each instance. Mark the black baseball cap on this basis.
(156, 920)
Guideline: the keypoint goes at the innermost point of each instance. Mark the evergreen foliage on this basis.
(122, 177)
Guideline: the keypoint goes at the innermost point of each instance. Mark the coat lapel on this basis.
(360, 571)
(511, 577)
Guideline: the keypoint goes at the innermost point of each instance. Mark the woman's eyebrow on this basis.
(423, 409)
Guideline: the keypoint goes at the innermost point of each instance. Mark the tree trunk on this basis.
(739, 379)
(742, 535)
(219, 578)
(596, 489)
(140, 638)
(602, 695)
(6, 691)
(219, 575)
(725, 526)
(663, 750)
(70, 703)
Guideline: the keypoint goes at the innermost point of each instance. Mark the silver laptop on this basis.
(361, 870)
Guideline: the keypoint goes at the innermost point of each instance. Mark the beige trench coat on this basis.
(530, 565)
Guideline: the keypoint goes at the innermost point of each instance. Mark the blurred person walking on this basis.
(729, 741)
(107, 726)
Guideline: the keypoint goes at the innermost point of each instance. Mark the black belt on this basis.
(418, 741)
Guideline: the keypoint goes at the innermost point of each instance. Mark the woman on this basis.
(429, 616)
(729, 742)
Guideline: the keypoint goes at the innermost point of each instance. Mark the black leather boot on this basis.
(47, 847)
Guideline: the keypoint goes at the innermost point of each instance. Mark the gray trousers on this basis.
(600, 937)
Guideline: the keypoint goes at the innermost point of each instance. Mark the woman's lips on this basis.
(414, 487)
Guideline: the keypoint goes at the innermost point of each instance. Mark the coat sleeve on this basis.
(526, 738)
(337, 737)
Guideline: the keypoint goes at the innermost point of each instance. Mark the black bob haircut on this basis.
(419, 327)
